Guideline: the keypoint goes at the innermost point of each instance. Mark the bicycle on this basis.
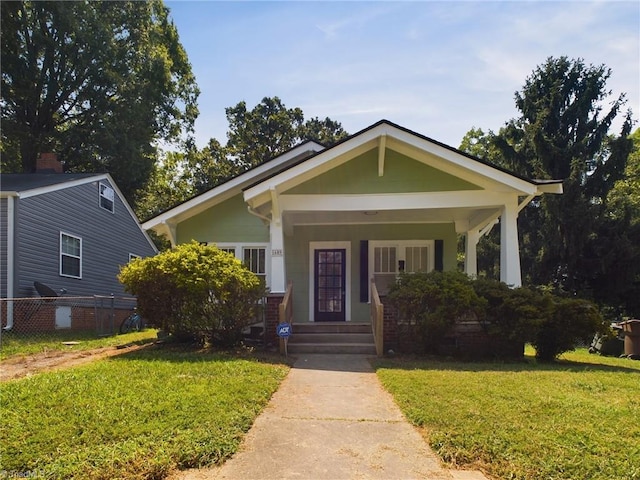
(133, 323)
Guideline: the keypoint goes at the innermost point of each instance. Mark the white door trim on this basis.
(322, 245)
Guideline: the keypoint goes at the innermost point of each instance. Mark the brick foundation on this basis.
(271, 314)
(467, 339)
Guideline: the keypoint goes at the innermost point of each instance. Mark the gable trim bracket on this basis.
(382, 148)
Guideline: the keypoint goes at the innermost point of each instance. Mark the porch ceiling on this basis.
(463, 217)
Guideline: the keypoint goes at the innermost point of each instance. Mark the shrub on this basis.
(510, 316)
(433, 302)
(195, 291)
(513, 314)
(568, 322)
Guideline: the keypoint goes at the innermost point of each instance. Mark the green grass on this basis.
(578, 418)
(12, 344)
(139, 415)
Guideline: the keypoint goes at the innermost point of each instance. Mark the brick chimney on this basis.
(48, 163)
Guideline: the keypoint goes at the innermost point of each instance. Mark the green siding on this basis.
(228, 221)
(297, 256)
(401, 175)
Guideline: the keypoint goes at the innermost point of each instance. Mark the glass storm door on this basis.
(329, 285)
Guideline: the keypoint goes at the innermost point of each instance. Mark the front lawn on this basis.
(578, 418)
(17, 344)
(138, 415)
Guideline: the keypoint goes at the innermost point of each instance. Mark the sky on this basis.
(438, 68)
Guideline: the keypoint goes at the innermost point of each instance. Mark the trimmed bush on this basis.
(569, 322)
(195, 291)
(513, 314)
(433, 302)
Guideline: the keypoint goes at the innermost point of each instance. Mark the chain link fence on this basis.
(43, 316)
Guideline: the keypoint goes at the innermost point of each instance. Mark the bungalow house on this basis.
(327, 221)
(69, 232)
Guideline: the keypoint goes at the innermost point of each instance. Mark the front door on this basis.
(329, 284)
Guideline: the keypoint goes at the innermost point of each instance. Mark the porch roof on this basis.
(468, 209)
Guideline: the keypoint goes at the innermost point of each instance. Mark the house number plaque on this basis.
(276, 252)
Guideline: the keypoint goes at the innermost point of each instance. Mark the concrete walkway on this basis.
(329, 420)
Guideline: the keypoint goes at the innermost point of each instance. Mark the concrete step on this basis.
(298, 337)
(332, 348)
(331, 327)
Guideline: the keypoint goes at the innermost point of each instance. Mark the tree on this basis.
(97, 82)
(563, 133)
(254, 136)
(271, 129)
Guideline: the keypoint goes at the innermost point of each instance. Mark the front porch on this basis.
(382, 333)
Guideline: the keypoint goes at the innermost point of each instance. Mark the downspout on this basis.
(11, 227)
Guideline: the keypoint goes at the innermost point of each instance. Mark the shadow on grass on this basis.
(527, 364)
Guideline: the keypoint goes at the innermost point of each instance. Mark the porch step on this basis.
(332, 338)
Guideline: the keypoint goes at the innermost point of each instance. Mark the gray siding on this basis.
(3, 247)
(107, 240)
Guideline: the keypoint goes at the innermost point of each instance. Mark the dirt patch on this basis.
(24, 366)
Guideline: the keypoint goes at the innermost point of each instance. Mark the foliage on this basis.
(140, 415)
(577, 241)
(526, 420)
(270, 129)
(434, 301)
(514, 314)
(254, 136)
(195, 291)
(98, 82)
(569, 322)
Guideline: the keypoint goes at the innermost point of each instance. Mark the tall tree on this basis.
(563, 133)
(97, 82)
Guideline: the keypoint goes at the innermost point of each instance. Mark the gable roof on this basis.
(300, 164)
(31, 184)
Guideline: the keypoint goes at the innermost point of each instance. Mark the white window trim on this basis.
(101, 196)
(66, 254)
(328, 245)
(133, 256)
(239, 248)
(401, 246)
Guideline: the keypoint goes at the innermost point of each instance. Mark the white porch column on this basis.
(278, 281)
(509, 249)
(470, 252)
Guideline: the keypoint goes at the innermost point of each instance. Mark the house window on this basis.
(416, 259)
(231, 250)
(391, 258)
(133, 256)
(70, 256)
(385, 267)
(106, 197)
(253, 256)
(255, 260)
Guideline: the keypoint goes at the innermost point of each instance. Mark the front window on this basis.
(389, 259)
(385, 267)
(255, 260)
(70, 256)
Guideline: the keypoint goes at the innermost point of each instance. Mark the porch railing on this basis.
(285, 311)
(377, 319)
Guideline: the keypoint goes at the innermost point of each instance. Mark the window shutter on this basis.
(364, 271)
(439, 255)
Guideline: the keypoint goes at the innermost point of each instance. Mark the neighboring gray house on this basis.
(67, 231)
